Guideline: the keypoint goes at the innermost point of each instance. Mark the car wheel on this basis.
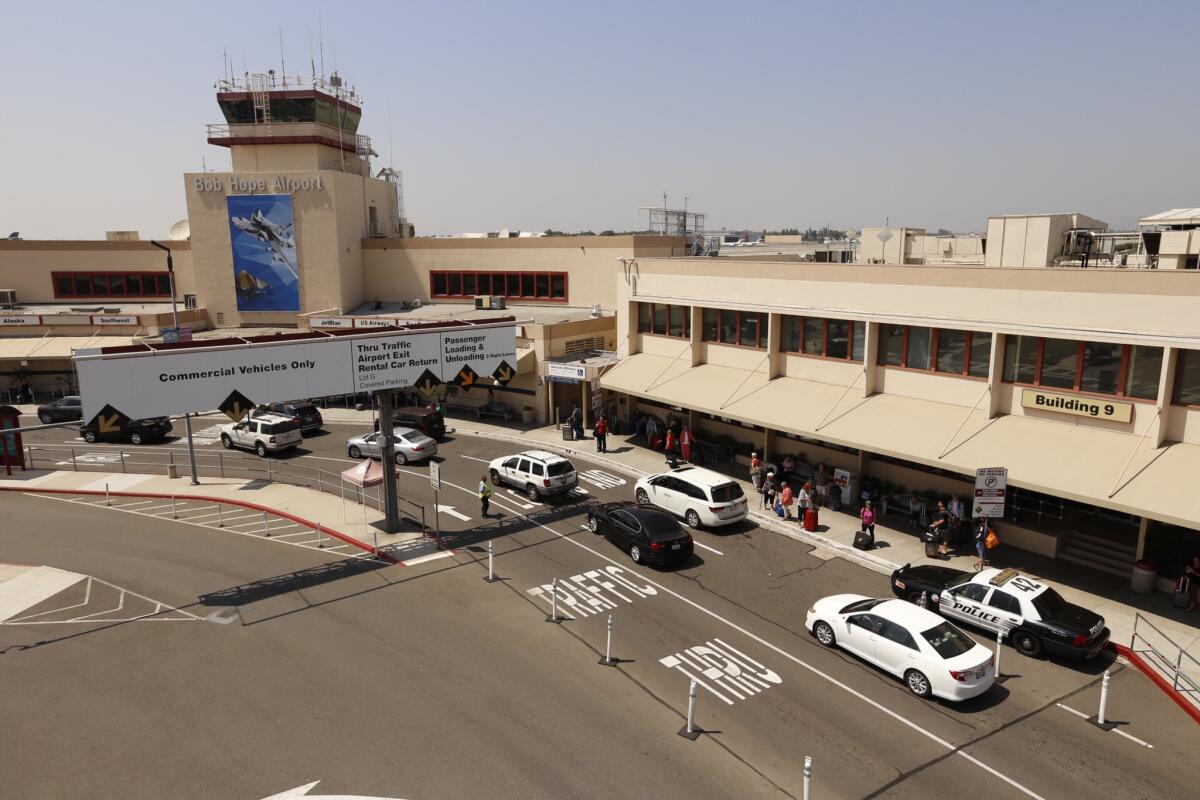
(1027, 644)
(495, 478)
(692, 518)
(532, 493)
(643, 498)
(918, 684)
(226, 442)
(593, 524)
(89, 437)
(824, 634)
(135, 438)
(354, 452)
(261, 449)
(401, 459)
(45, 418)
(635, 552)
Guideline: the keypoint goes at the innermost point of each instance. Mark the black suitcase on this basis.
(931, 546)
(1182, 598)
(863, 540)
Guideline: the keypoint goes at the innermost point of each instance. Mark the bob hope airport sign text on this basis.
(280, 184)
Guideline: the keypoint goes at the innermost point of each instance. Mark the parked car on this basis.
(699, 496)
(426, 420)
(931, 655)
(302, 412)
(265, 433)
(407, 445)
(1033, 616)
(537, 473)
(137, 431)
(64, 409)
(647, 534)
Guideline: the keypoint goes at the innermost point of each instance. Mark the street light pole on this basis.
(187, 418)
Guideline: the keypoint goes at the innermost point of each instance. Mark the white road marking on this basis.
(480, 460)
(894, 715)
(706, 547)
(450, 510)
(602, 479)
(33, 586)
(524, 502)
(115, 483)
(1115, 730)
(430, 557)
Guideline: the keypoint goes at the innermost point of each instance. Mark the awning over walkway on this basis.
(1078, 462)
(29, 347)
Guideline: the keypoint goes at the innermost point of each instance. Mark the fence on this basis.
(1168, 658)
(159, 461)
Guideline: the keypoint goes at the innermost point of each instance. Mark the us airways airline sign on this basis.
(152, 383)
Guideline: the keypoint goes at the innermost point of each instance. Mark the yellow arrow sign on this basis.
(235, 411)
(504, 374)
(468, 380)
(427, 388)
(110, 424)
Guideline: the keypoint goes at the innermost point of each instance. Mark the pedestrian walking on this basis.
(867, 517)
(652, 432)
(770, 487)
(756, 472)
(804, 501)
(981, 532)
(575, 422)
(485, 495)
(940, 527)
(671, 448)
(601, 434)
(685, 444)
(786, 499)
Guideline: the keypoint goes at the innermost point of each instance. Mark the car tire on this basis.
(643, 499)
(917, 683)
(1027, 644)
(354, 452)
(226, 442)
(401, 459)
(135, 438)
(593, 524)
(261, 449)
(45, 418)
(824, 633)
(635, 553)
(532, 493)
(692, 518)
(496, 478)
(89, 437)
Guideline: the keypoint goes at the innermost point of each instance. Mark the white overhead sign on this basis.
(204, 377)
(991, 486)
(573, 371)
(114, 319)
(20, 319)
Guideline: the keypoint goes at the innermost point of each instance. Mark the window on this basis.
(749, 330)
(743, 328)
(1187, 379)
(468, 283)
(664, 320)
(455, 286)
(789, 334)
(1060, 359)
(512, 284)
(543, 285)
(948, 640)
(538, 469)
(678, 321)
(980, 354)
(1093, 367)
(558, 286)
(1143, 372)
(814, 337)
(858, 336)
(898, 634)
(973, 591)
(110, 284)
(826, 338)
(1005, 602)
(527, 285)
(660, 320)
(1020, 359)
(891, 345)
(917, 348)
(837, 340)
(644, 317)
(1101, 367)
(484, 281)
(710, 325)
(729, 327)
(951, 351)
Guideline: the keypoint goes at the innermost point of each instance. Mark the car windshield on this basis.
(1049, 604)
(861, 605)
(727, 493)
(948, 640)
(280, 427)
(560, 468)
(305, 408)
(660, 527)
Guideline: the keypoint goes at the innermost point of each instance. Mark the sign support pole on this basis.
(391, 517)
(187, 418)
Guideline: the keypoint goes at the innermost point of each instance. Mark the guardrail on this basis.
(158, 461)
(1171, 660)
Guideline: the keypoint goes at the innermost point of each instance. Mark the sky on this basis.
(572, 115)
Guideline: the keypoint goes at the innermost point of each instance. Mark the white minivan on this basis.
(700, 496)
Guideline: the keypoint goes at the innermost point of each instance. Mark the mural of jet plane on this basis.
(276, 238)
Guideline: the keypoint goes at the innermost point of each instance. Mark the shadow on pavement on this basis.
(292, 582)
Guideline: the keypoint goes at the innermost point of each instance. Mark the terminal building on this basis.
(927, 359)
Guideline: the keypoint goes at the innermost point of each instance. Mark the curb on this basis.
(1158, 680)
(350, 540)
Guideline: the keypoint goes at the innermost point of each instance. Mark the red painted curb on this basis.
(1189, 708)
(350, 540)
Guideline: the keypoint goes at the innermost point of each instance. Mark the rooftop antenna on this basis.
(391, 151)
(282, 67)
(321, 42)
(311, 62)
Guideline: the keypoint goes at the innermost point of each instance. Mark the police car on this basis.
(1033, 616)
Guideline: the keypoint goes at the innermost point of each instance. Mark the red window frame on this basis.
(509, 280)
(935, 338)
(800, 321)
(760, 334)
(651, 308)
(1122, 374)
(124, 275)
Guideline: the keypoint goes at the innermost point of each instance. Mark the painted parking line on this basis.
(706, 547)
(425, 558)
(1115, 730)
(480, 460)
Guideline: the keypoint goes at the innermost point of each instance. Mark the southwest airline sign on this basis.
(158, 380)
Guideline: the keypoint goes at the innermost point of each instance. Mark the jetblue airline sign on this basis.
(202, 378)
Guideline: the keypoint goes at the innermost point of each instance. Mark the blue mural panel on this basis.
(265, 269)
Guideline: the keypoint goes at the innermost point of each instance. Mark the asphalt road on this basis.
(427, 681)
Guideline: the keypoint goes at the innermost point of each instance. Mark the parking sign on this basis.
(991, 486)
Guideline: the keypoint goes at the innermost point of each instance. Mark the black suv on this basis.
(302, 412)
(63, 409)
(138, 431)
(427, 420)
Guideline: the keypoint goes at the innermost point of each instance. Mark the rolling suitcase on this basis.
(863, 540)
(1182, 597)
(931, 546)
(810, 519)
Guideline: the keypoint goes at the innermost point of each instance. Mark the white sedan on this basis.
(931, 655)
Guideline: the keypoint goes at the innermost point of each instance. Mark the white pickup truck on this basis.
(265, 433)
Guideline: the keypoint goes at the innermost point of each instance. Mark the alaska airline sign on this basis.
(147, 382)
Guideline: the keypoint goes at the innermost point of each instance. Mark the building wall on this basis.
(26, 266)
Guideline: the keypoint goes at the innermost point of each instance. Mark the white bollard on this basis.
(491, 563)
(999, 645)
(691, 720)
(1103, 698)
(107, 498)
(608, 660)
(320, 538)
(807, 776)
(174, 513)
(220, 517)
(266, 525)
(376, 537)
(553, 602)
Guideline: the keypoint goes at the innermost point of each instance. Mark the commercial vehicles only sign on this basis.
(991, 486)
(158, 380)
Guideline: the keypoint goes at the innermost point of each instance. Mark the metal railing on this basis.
(159, 461)
(1165, 656)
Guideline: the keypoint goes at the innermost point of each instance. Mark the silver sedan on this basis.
(409, 445)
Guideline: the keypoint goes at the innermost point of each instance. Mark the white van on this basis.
(700, 496)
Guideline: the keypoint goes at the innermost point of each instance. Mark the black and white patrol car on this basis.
(1033, 616)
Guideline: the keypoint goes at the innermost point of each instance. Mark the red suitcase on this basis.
(810, 519)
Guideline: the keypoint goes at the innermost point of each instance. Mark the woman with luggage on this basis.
(770, 488)
(786, 499)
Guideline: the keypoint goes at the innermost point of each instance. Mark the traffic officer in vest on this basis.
(485, 494)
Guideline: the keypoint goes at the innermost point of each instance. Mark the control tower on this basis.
(280, 234)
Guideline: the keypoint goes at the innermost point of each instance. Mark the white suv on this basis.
(535, 472)
(264, 433)
(700, 496)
